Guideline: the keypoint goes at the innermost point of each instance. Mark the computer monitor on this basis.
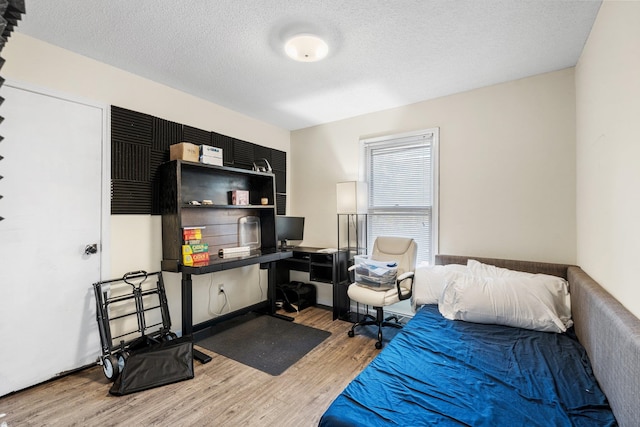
(289, 228)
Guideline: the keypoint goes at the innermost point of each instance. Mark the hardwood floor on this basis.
(223, 392)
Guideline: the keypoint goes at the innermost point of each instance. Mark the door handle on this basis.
(91, 249)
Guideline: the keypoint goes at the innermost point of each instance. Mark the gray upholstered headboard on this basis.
(607, 330)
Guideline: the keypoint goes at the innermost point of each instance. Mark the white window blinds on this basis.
(401, 172)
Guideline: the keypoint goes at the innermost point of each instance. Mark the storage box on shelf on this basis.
(184, 151)
(239, 197)
(218, 220)
(211, 155)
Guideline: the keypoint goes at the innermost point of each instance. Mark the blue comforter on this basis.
(454, 373)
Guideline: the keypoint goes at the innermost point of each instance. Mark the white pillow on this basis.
(526, 302)
(557, 286)
(487, 270)
(430, 281)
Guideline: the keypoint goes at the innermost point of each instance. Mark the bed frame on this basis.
(609, 332)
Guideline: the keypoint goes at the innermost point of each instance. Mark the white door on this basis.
(52, 205)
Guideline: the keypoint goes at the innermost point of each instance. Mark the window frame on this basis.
(400, 140)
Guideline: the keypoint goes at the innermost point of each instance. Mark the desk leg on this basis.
(187, 301)
(271, 291)
(187, 315)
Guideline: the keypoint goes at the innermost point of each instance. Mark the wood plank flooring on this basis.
(223, 392)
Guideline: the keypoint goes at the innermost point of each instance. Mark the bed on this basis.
(442, 372)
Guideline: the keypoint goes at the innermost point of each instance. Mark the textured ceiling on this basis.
(383, 54)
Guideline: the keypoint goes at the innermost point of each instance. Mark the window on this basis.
(402, 175)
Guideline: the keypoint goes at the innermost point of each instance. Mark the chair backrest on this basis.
(402, 250)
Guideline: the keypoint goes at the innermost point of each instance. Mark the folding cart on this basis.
(132, 314)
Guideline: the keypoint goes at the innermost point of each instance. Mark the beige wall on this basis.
(608, 149)
(43, 65)
(507, 168)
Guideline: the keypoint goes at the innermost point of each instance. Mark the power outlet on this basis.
(220, 288)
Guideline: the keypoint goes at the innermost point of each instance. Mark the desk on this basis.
(266, 259)
(326, 267)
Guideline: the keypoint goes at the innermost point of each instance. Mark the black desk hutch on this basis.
(184, 182)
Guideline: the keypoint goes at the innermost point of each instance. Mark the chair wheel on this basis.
(378, 345)
(350, 333)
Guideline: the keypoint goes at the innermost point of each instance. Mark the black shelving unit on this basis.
(185, 182)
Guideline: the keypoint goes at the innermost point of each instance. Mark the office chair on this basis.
(403, 251)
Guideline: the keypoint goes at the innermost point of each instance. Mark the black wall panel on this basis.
(281, 181)
(260, 152)
(130, 197)
(157, 158)
(131, 142)
(243, 154)
(164, 134)
(131, 126)
(226, 143)
(281, 204)
(140, 144)
(196, 136)
(278, 160)
(279, 165)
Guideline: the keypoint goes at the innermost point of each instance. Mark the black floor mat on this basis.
(263, 342)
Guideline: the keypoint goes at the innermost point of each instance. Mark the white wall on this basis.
(507, 168)
(608, 149)
(136, 239)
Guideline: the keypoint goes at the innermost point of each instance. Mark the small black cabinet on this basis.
(322, 267)
(327, 267)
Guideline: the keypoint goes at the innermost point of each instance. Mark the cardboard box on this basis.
(210, 160)
(195, 248)
(210, 155)
(190, 234)
(208, 150)
(184, 151)
(239, 197)
(195, 259)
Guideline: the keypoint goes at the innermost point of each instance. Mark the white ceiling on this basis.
(383, 53)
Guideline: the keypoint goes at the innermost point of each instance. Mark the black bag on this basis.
(155, 365)
(296, 296)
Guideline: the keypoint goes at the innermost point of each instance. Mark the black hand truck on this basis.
(132, 312)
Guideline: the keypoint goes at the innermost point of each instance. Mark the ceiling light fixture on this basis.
(306, 48)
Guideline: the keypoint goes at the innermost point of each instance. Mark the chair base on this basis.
(380, 321)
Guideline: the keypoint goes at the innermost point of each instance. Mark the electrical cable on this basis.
(226, 301)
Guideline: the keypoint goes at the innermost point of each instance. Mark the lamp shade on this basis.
(351, 197)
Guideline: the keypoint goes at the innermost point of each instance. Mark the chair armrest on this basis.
(351, 273)
(405, 276)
